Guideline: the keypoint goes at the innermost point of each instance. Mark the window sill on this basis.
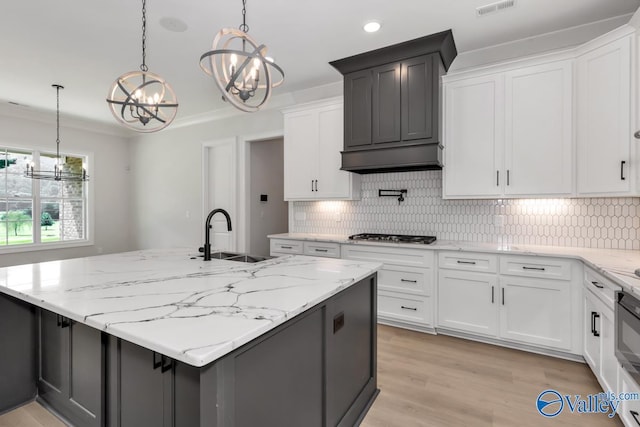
(44, 246)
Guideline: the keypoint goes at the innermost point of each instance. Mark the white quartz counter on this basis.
(188, 309)
(616, 264)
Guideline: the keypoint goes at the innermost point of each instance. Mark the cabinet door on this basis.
(473, 137)
(603, 122)
(71, 369)
(591, 335)
(536, 311)
(609, 368)
(418, 87)
(300, 154)
(467, 302)
(141, 387)
(52, 355)
(538, 130)
(332, 182)
(357, 109)
(629, 410)
(386, 104)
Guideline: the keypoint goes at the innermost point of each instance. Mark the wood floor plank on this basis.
(441, 381)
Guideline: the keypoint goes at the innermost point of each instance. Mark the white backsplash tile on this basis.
(592, 223)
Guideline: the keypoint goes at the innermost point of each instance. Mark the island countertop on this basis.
(187, 309)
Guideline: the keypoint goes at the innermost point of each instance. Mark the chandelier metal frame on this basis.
(237, 72)
(128, 99)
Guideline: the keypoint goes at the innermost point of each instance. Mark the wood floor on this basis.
(440, 381)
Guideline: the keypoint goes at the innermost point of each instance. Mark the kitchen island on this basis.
(160, 337)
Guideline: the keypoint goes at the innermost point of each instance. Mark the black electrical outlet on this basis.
(263, 197)
(338, 322)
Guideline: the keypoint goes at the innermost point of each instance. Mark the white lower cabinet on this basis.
(536, 311)
(467, 302)
(599, 329)
(629, 410)
(515, 303)
(405, 283)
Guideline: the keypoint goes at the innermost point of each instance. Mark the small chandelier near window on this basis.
(240, 67)
(59, 172)
(141, 100)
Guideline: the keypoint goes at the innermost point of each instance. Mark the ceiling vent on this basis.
(494, 7)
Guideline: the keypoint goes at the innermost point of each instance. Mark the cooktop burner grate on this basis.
(394, 238)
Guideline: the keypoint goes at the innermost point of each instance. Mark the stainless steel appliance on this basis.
(628, 333)
(394, 238)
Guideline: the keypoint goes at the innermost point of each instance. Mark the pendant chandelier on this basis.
(141, 100)
(58, 173)
(240, 67)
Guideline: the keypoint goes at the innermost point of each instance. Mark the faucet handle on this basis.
(201, 249)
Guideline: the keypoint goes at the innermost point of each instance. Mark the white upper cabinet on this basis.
(313, 137)
(473, 135)
(605, 164)
(538, 137)
(509, 133)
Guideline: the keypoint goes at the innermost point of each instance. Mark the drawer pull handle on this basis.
(322, 250)
(466, 262)
(502, 296)
(408, 308)
(493, 294)
(594, 316)
(524, 267)
(597, 285)
(408, 281)
(635, 414)
(286, 247)
(157, 360)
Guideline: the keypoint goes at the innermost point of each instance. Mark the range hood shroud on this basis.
(405, 154)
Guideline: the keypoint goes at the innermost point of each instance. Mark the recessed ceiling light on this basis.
(371, 27)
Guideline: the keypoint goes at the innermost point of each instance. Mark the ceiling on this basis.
(84, 45)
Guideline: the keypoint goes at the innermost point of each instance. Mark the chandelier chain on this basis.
(144, 67)
(244, 27)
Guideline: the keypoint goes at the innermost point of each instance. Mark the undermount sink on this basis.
(235, 256)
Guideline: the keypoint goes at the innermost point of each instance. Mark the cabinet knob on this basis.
(636, 135)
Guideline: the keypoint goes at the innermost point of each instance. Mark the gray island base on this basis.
(315, 369)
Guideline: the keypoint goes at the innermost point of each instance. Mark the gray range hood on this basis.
(392, 105)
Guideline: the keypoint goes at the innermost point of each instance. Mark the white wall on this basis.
(166, 170)
(109, 179)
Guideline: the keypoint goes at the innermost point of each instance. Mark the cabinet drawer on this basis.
(604, 289)
(533, 266)
(387, 254)
(279, 247)
(324, 249)
(406, 279)
(405, 307)
(468, 261)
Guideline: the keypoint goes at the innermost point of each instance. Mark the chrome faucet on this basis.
(207, 228)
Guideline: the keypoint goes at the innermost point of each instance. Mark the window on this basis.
(40, 212)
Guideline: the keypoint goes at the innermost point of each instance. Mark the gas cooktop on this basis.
(394, 238)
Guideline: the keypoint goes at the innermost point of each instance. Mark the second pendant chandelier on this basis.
(240, 67)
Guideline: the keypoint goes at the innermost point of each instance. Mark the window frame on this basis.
(88, 239)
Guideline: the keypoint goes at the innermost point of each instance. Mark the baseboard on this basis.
(405, 325)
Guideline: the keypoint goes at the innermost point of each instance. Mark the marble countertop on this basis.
(187, 309)
(616, 264)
